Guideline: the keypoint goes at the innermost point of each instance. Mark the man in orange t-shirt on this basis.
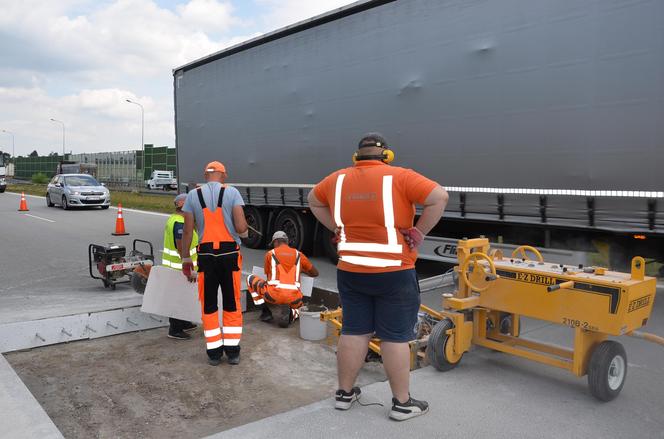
(371, 207)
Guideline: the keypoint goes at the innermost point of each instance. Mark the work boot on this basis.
(284, 318)
(234, 358)
(214, 361)
(179, 335)
(266, 314)
(188, 327)
(344, 400)
(409, 409)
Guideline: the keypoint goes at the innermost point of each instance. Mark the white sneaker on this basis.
(344, 400)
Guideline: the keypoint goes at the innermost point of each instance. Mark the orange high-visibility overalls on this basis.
(283, 288)
(219, 265)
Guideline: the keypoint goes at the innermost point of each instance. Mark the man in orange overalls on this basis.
(217, 211)
(283, 265)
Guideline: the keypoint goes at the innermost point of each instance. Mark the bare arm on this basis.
(313, 272)
(321, 211)
(434, 206)
(240, 222)
(187, 234)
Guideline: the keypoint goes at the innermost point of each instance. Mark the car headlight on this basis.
(74, 193)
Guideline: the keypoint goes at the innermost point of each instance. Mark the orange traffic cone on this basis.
(23, 207)
(119, 223)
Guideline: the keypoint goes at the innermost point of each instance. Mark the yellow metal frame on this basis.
(529, 288)
(596, 303)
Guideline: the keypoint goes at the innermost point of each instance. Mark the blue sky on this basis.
(78, 60)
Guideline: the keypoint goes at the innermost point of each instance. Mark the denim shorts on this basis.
(384, 304)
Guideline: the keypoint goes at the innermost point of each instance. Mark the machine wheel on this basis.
(607, 370)
(506, 323)
(256, 219)
(297, 227)
(438, 352)
(138, 282)
(49, 203)
(65, 205)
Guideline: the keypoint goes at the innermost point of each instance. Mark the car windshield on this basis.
(80, 180)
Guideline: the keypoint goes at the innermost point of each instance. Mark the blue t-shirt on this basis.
(211, 190)
(178, 231)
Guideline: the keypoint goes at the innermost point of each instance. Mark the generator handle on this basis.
(144, 242)
(90, 263)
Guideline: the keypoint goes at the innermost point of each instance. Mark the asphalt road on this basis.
(44, 262)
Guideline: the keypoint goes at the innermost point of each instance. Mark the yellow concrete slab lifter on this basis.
(494, 291)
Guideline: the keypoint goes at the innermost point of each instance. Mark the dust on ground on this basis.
(146, 385)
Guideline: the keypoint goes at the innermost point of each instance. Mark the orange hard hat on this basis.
(215, 167)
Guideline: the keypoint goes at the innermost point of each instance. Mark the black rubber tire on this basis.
(138, 283)
(329, 247)
(436, 346)
(505, 324)
(2, 191)
(65, 205)
(105, 207)
(298, 227)
(256, 219)
(599, 368)
(49, 203)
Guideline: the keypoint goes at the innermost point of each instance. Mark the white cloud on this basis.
(78, 60)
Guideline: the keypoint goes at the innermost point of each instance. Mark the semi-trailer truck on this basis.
(542, 119)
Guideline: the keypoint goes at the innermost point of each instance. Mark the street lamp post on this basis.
(142, 139)
(11, 134)
(63, 136)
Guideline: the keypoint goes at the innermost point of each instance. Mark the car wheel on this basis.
(49, 203)
(65, 204)
(105, 207)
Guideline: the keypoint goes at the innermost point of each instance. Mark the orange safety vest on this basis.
(370, 254)
(215, 231)
(282, 278)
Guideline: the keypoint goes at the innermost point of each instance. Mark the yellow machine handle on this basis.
(475, 258)
(560, 286)
(527, 248)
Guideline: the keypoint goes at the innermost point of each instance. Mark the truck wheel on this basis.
(256, 219)
(607, 370)
(329, 247)
(298, 228)
(438, 352)
(49, 203)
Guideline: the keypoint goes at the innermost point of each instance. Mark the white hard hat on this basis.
(279, 235)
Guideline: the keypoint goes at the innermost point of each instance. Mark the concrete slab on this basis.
(21, 416)
(494, 395)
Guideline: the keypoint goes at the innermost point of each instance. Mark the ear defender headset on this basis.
(374, 139)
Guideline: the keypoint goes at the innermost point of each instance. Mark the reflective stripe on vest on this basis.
(392, 245)
(170, 256)
(274, 279)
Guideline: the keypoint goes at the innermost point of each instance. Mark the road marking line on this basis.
(38, 217)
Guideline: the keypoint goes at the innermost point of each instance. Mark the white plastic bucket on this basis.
(311, 327)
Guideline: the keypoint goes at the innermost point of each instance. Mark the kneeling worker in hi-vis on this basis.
(217, 212)
(371, 207)
(283, 266)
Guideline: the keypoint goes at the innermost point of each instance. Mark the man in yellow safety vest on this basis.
(172, 258)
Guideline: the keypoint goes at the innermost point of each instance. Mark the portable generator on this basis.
(114, 266)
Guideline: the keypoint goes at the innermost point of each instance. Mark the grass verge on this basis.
(130, 200)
